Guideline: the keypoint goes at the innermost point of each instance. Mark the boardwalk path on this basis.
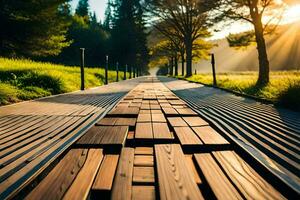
(269, 134)
(151, 145)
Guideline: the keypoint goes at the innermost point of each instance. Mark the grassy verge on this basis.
(283, 89)
(25, 79)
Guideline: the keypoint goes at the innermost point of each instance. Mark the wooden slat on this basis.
(143, 151)
(80, 188)
(144, 118)
(161, 131)
(195, 121)
(217, 180)
(143, 175)
(175, 178)
(158, 118)
(106, 173)
(169, 111)
(209, 136)
(125, 122)
(143, 160)
(177, 121)
(247, 180)
(56, 183)
(143, 192)
(143, 131)
(186, 136)
(190, 163)
(107, 121)
(122, 186)
(185, 111)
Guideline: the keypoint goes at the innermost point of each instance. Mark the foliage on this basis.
(25, 79)
(33, 28)
(241, 39)
(283, 88)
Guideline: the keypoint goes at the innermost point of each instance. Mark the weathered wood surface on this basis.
(175, 178)
(270, 135)
(147, 154)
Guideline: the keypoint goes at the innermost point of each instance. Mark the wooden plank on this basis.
(143, 192)
(130, 135)
(185, 111)
(125, 122)
(143, 151)
(156, 112)
(144, 160)
(145, 112)
(177, 121)
(143, 175)
(190, 163)
(170, 111)
(93, 136)
(247, 180)
(161, 131)
(209, 136)
(217, 180)
(56, 183)
(154, 107)
(195, 121)
(80, 188)
(175, 178)
(186, 136)
(107, 121)
(144, 118)
(115, 135)
(158, 118)
(106, 173)
(143, 131)
(122, 186)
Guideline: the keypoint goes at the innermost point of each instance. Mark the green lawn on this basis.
(25, 79)
(284, 86)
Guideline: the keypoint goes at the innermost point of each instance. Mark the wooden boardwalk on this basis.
(271, 136)
(150, 145)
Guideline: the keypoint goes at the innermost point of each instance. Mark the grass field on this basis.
(24, 79)
(284, 86)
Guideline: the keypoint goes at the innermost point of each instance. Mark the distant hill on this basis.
(283, 51)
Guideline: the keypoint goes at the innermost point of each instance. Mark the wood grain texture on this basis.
(187, 136)
(177, 121)
(143, 151)
(175, 178)
(82, 184)
(190, 163)
(217, 180)
(161, 131)
(143, 131)
(143, 175)
(209, 136)
(106, 173)
(158, 118)
(248, 181)
(122, 186)
(144, 117)
(144, 160)
(125, 122)
(143, 192)
(56, 183)
(195, 121)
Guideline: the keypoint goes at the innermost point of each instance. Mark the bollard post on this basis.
(117, 68)
(106, 71)
(82, 68)
(125, 71)
(213, 68)
(130, 71)
(195, 72)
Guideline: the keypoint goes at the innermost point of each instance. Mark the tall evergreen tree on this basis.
(128, 34)
(33, 28)
(82, 8)
(108, 16)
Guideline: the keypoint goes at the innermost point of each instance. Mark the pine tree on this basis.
(108, 16)
(33, 28)
(82, 8)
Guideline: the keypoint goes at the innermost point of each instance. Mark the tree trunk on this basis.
(264, 66)
(171, 67)
(182, 64)
(189, 45)
(176, 65)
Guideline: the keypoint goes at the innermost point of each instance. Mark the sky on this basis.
(99, 7)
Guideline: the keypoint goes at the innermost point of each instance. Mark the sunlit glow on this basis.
(292, 14)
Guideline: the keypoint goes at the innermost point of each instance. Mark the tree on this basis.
(33, 28)
(128, 37)
(82, 8)
(254, 12)
(189, 18)
(108, 16)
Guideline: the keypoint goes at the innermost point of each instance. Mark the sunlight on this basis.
(292, 14)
